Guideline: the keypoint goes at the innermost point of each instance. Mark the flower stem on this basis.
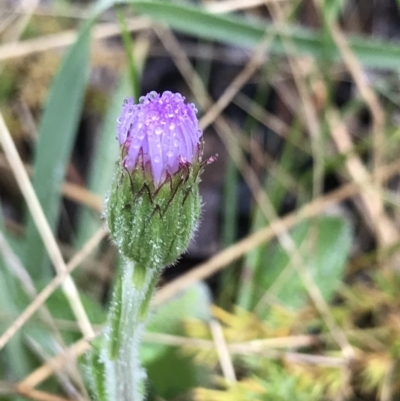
(144, 307)
(123, 376)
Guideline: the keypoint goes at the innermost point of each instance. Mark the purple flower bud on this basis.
(160, 134)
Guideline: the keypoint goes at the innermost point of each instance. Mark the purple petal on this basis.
(164, 129)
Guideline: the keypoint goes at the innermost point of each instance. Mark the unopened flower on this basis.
(154, 203)
(159, 134)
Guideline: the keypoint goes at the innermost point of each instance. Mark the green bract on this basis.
(152, 226)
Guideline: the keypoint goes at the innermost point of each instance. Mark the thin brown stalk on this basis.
(17, 269)
(245, 348)
(17, 28)
(366, 92)
(227, 6)
(222, 350)
(251, 67)
(51, 287)
(309, 112)
(64, 39)
(82, 195)
(74, 192)
(387, 390)
(54, 364)
(370, 194)
(39, 395)
(292, 342)
(321, 360)
(268, 119)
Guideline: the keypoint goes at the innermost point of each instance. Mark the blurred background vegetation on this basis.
(291, 288)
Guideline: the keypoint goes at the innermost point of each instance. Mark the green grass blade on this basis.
(248, 32)
(15, 357)
(130, 55)
(56, 137)
(103, 165)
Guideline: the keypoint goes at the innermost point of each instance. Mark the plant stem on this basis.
(123, 375)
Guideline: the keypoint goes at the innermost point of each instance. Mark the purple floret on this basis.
(163, 129)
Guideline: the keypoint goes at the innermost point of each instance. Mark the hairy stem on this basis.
(121, 376)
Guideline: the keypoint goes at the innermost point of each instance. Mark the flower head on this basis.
(154, 203)
(161, 133)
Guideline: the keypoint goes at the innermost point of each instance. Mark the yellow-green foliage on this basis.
(262, 378)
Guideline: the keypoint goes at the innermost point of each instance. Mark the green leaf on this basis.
(57, 134)
(171, 373)
(324, 244)
(248, 32)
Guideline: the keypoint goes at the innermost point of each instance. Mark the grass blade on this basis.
(56, 137)
(103, 165)
(249, 32)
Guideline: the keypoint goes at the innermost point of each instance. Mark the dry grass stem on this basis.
(251, 67)
(73, 11)
(15, 30)
(269, 120)
(82, 195)
(369, 96)
(71, 191)
(224, 357)
(68, 285)
(291, 342)
(54, 364)
(309, 114)
(9, 389)
(267, 347)
(386, 393)
(321, 360)
(38, 395)
(227, 6)
(15, 266)
(17, 269)
(52, 286)
(385, 229)
(64, 39)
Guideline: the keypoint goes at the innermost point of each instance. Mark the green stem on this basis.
(144, 307)
(122, 377)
